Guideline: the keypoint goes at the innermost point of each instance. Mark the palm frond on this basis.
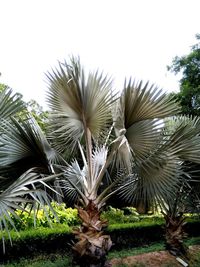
(73, 183)
(78, 103)
(10, 104)
(19, 193)
(140, 112)
(155, 179)
(23, 146)
(144, 103)
(184, 139)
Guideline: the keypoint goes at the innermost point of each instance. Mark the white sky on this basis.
(135, 38)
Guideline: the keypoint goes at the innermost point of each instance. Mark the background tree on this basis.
(38, 113)
(189, 67)
(32, 107)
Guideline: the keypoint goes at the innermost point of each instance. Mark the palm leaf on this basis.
(139, 112)
(144, 103)
(158, 176)
(10, 104)
(14, 197)
(154, 181)
(78, 103)
(23, 146)
(73, 183)
(183, 140)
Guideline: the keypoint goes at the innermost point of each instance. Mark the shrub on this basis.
(113, 215)
(59, 238)
(69, 216)
(45, 217)
(32, 242)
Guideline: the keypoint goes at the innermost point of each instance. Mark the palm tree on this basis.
(84, 111)
(182, 142)
(175, 222)
(19, 184)
(123, 148)
(188, 131)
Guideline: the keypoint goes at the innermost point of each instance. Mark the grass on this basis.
(53, 260)
(135, 251)
(56, 260)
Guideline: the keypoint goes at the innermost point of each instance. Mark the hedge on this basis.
(59, 239)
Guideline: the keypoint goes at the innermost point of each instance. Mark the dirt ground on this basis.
(154, 259)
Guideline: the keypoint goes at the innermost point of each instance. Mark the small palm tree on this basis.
(19, 185)
(123, 148)
(187, 149)
(175, 222)
(85, 113)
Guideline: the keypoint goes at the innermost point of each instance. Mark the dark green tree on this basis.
(189, 67)
(2, 87)
(31, 107)
(38, 113)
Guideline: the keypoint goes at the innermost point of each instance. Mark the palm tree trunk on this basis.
(175, 234)
(93, 246)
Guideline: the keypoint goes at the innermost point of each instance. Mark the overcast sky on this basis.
(124, 38)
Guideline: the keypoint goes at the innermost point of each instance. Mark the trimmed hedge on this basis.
(31, 242)
(135, 234)
(50, 240)
(143, 234)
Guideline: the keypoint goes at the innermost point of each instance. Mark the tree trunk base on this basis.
(91, 262)
(92, 246)
(96, 265)
(179, 249)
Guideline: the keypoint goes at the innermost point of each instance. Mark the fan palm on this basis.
(19, 183)
(174, 218)
(187, 131)
(123, 147)
(84, 111)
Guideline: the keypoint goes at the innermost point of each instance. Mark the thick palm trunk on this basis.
(93, 245)
(175, 234)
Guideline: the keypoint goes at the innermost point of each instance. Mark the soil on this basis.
(155, 259)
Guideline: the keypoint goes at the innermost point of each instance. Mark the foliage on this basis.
(45, 217)
(26, 109)
(10, 103)
(189, 67)
(113, 215)
(48, 240)
(124, 148)
(175, 207)
(34, 241)
(2, 86)
(38, 113)
(69, 216)
(16, 190)
(52, 260)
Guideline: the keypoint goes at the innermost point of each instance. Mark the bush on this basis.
(128, 215)
(69, 216)
(60, 238)
(31, 242)
(113, 215)
(45, 217)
